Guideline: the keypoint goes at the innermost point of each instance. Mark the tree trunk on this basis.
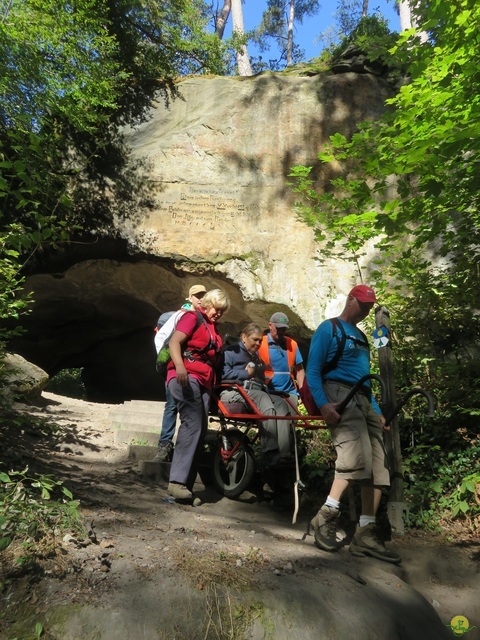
(405, 15)
(243, 60)
(222, 18)
(408, 20)
(396, 507)
(364, 8)
(291, 18)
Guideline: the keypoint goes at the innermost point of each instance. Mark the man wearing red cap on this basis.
(339, 356)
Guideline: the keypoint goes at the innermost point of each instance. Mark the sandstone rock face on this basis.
(219, 161)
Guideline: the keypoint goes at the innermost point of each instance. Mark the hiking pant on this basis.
(192, 402)
(358, 438)
(169, 421)
(275, 435)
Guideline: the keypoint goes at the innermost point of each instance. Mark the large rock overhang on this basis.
(217, 160)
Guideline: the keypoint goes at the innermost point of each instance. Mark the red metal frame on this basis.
(304, 422)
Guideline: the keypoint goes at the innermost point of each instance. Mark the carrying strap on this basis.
(197, 353)
(298, 482)
(330, 366)
(333, 363)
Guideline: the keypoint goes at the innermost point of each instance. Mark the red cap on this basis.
(363, 293)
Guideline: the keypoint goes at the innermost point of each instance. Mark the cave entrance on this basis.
(98, 317)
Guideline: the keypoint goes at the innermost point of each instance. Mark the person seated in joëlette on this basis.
(241, 364)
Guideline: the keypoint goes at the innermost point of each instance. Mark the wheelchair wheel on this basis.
(233, 471)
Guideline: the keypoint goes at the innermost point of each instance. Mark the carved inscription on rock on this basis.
(207, 208)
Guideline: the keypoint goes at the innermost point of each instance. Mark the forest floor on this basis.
(147, 567)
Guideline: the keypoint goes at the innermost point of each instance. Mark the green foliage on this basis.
(442, 483)
(368, 32)
(34, 509)
(274, 28)
(68, 382)
(317, 456)
(372, 36)
(409, 184)
(70, 78)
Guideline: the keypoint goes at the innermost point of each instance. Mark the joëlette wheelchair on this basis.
(234, 461)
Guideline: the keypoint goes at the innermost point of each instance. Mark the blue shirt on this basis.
(282, 380)
(353, 364)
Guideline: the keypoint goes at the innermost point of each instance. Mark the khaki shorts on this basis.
(358, 439)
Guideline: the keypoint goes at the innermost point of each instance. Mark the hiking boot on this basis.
(325, 528)
(365, 542)
(164, 453)
(179, 491)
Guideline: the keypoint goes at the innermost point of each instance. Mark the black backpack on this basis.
(305, 392)
(336, 323)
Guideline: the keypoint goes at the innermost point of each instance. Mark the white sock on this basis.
(330, 502)
(364, 520)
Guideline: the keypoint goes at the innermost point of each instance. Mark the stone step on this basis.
(159, 472)
(137, 452)
(148, 422)
(138, 415)
(131, 436)
(142, 406)
(155, 471)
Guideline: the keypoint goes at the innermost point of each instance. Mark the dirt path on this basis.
(227, 569)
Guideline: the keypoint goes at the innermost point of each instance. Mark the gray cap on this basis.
(280, 320)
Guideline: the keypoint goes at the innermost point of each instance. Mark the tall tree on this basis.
(411, 182)
(408, 11)
(243, 59)
(239, 39)
(348, 14)
(221, 18)
(278, 23)
(71, 75)
(405, 15)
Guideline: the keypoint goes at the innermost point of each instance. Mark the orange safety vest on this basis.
(264, 354)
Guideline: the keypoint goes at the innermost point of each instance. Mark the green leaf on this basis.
(464, 506)
(4, 543)
(438, 486)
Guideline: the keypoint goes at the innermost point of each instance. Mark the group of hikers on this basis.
(269, 367)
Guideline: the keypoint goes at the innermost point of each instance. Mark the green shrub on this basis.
(33, 509)
(317, 460)
(441, 479)
(68, 382)
(373, 37)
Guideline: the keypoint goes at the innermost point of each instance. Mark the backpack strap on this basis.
(332, 364)
(194, 352)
